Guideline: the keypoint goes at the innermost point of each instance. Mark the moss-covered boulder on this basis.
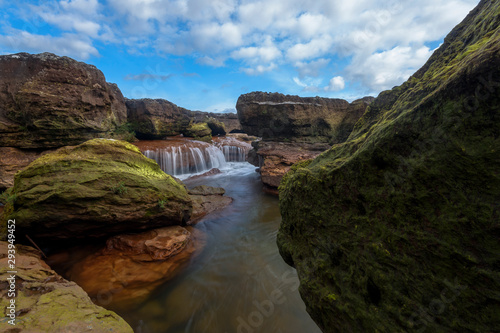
(397, 230)
(49, 101)
(45, 302)
(217, 127)
(99, 188)
(199, 131)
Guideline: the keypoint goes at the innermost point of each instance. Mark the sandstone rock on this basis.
(49, 101)
(130, 267)
(45, 302)
(97, 189)
(211, 172)
(276, 158)
(156, 118)
(207, 199)
(279, 117)
(12, 161)
(397, 229)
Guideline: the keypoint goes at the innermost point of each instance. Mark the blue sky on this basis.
(202, 54)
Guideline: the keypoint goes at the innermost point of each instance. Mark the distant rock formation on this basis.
(156, 118)
(45, 302)
(94, 190)
(48, 101)
(278, 117)
(397, 229)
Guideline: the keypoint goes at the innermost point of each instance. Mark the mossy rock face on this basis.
(199, 131)
(99, 188)
(45, 302)
(50, 101)
(217, 127)
(397, 230)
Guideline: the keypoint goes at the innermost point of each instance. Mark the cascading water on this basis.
(183, 158)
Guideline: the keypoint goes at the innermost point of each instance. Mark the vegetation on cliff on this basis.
(397, 229)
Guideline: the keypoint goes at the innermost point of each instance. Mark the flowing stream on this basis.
(239, 283)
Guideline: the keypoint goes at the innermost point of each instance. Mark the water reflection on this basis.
(239, 283)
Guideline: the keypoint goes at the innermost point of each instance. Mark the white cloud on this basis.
(68, 44)
(259, 69)
(383, 70)
(337, 83)
(382, 42)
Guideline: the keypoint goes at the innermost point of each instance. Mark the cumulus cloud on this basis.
(382, 42)
(68, 44)
(336, 83)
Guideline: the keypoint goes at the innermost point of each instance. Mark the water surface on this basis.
(239, 283)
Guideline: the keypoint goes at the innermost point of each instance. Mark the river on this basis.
(239, 283)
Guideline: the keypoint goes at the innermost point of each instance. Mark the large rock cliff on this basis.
(278, 117)
(397, 229)
(48, 101)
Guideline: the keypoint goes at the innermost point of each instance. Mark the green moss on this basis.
(100, 180)
(407, 210)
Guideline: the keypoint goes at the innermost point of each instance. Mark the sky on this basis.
(203, 54)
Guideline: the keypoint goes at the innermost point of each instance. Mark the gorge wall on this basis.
(294, 128)
(397, 229)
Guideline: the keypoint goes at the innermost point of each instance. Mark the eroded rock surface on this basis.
(48, 101)
(45, 302)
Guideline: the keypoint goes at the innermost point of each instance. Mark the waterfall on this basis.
(182, 158)
(234, 153)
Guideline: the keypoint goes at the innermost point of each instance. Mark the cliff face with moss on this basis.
(397, 229)
(49, 101)
(99, 188)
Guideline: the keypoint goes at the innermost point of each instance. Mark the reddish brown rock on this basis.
(45, 302)
(207, 199)
(276, 158)
(14, 160)
(49, 101)
(130, 267)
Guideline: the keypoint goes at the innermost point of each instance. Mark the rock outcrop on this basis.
(153, 119)
(13, 160)
(97, 189)
(45, 302)
(207, 199)
(278, 117)
(132, 266)
(397, 229)
(230, 120)
(276, 158)
(48, 101)
(156, 118)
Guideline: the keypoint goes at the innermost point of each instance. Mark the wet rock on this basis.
(97, 189)
(397, 229)
(132, 266)
(207, 199)
(50, 101)
(45, 302)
